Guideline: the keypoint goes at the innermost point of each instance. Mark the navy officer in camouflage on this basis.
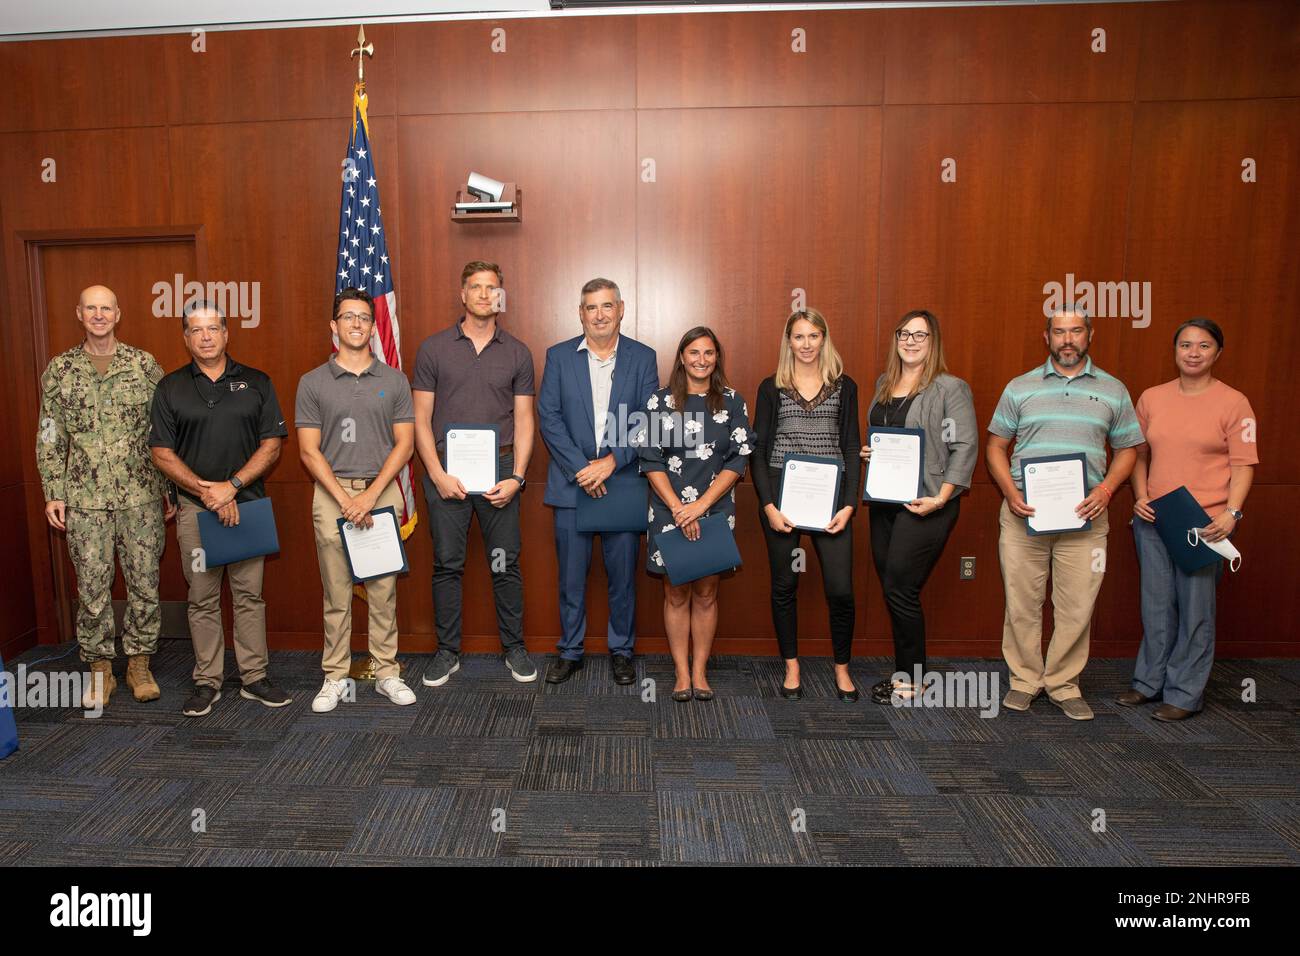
(102, 488)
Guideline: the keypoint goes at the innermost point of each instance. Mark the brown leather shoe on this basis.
(1133, 698)
(140, 679)
(100, 686)
(1170, 712)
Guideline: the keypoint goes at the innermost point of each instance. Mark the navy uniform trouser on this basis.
(573, 554)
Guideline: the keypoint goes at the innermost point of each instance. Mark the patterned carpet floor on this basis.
(488, 771)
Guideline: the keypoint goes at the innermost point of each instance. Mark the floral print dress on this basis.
(692, 446)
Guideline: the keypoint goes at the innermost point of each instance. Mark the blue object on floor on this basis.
(8, 727)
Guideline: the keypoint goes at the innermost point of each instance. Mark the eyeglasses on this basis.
(355, 318)
(903, 335)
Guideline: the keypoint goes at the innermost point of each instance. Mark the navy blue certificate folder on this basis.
(792, 461)
(688, 561)
(8, 727)
(1176, 514)
(347, 553)
(920, 470)
(624, 506)
(253, 537)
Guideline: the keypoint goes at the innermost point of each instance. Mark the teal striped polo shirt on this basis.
(1049, 414)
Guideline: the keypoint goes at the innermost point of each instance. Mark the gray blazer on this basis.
(946, 400)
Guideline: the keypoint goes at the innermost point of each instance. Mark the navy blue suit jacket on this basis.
(568, 422)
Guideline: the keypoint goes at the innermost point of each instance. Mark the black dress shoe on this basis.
(624, 672)
(885, 687)
(792, 693)
(562, 670)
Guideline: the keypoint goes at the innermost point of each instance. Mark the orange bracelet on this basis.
(1102, 487)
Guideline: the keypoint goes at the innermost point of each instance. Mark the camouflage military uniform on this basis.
(92, 452)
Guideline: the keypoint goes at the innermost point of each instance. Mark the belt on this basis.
(355, 484)
(506, 450)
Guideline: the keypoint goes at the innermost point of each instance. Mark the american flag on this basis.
(363, 262)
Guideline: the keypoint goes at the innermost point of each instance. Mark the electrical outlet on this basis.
(967, 569)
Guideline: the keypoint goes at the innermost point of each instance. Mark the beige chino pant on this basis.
(336, 583)
(1077, 563)
(205, 608)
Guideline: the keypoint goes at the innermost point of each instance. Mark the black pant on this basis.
(835, 554)
(905, 549)
(449, 525)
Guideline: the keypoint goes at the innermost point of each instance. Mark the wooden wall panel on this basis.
(1039, 193)
(1216, 50)
(584, 63)
(257, 75)
(750, 59)
(82, 84)
(1011, 54)
(1215, 246)
(773, 171)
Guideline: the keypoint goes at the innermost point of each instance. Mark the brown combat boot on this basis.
(140, 680)
(97, 694)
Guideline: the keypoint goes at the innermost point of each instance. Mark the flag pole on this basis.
(363, 667)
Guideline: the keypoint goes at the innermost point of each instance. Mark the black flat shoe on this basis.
(885, 687)
(792, 693)
(682, 696)
(848, 696)
(703, 694)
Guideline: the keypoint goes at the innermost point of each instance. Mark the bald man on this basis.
(102, 488)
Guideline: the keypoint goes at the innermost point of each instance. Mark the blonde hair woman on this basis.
(809, 407)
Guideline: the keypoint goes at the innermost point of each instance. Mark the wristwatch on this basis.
(1236, 515)
(235, 482)
(520, 479)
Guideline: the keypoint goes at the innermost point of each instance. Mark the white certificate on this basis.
(375, 551)
(1054, 488)
(894, 470)
(472, 457)
(809, 491)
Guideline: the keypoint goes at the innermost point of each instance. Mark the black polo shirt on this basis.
(214, 427)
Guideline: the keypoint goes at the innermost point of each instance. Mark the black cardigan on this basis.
(769, 403)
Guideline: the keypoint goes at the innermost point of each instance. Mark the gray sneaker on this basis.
(1076, 708)
(521, 665)
(1017, 700)
(443, 665)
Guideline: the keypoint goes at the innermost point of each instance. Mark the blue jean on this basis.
(573, 554)
(1178, 609)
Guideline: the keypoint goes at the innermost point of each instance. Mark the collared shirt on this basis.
(91, 448)
(1049, 414)
(355, 414)
(214, 427)
(602, 383)
(473, 388)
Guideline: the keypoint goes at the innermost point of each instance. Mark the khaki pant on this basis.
(1077, 562)
(205, 608)
(336, 582)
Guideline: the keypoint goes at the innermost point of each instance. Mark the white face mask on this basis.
(1224, 547)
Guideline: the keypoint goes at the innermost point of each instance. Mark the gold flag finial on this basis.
(362, 51)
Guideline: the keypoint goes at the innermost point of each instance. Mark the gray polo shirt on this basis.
(1049, 414)
(355, 414)
(473, 389)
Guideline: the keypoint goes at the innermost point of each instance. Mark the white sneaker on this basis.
(395, 689)
(327, 698)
